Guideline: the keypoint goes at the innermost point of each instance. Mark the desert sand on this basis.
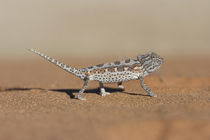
(37, 101)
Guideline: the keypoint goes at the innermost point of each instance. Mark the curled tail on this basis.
(77, 72)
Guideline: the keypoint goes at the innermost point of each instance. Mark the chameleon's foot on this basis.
(153, 95)
(147, 89)
(81, 98)
(104, 93)
(121, 86)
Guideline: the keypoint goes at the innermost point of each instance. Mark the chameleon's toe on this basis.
(153, 95)
(108, 93)
(121, 86)
(81, 98)
(104, 93)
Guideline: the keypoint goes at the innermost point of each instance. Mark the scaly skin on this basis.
(115, 72)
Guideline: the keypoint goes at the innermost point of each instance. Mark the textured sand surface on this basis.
(37, 102)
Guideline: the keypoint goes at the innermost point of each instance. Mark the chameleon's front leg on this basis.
(82, 90)
(103, 92)
(146, 88)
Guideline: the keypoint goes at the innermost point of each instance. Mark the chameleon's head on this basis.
(150, 62)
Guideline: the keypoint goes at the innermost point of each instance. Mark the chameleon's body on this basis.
(116, 72)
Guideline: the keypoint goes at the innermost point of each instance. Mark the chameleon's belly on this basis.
(114, 77)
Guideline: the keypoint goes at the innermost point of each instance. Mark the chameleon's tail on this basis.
(77, 72)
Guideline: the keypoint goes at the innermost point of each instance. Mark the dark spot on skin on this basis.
(146, 66)
(142, 61)
(130, 68)
(117, 62)
(138, 65)
(120, 69)
(99, 65)
(127, 61)
(101, 71)
(111, 69)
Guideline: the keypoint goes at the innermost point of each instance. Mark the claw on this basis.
(153, 95)
(81, 98)
(104, 93)
(121, 86)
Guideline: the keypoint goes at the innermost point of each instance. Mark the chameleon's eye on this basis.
(142, 61)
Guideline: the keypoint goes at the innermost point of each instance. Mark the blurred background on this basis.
(36, 97)
(99, 28)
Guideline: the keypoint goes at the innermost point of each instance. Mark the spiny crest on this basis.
(150, 62)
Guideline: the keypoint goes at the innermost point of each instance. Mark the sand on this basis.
(37, 101)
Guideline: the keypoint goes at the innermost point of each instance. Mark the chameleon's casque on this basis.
(115, 72)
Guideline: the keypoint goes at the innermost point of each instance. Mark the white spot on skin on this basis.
(53, 60)
(64, 67)
(136, 68)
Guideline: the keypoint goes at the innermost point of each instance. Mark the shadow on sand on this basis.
(71, 91)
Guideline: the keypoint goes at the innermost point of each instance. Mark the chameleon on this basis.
(114, 72)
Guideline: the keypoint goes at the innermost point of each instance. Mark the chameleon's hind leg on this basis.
(120, 85)
(103, 92)
(147, 89)
(82, 90)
